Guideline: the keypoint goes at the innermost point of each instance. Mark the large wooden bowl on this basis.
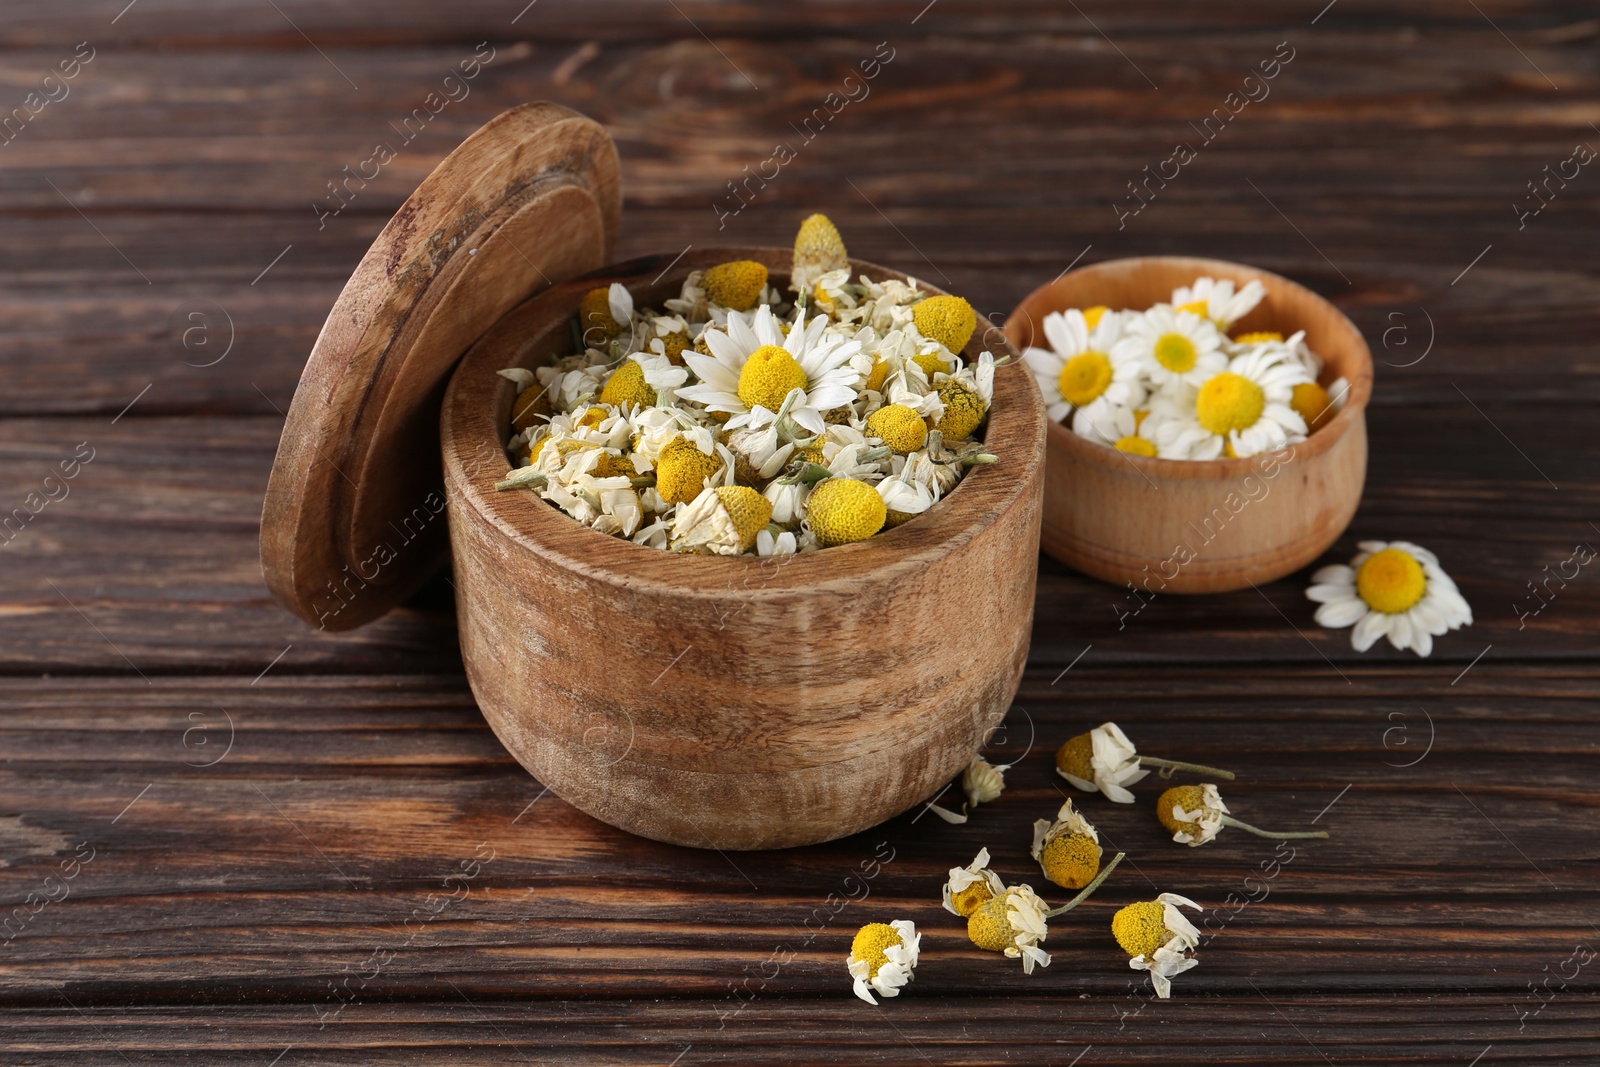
(1177, 526)
(736, 703)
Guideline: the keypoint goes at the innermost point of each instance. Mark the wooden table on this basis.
(259, 820)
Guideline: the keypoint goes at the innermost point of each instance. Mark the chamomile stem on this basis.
(1089, 889)
(1169, 765)
(522, 480)
(1229, 820)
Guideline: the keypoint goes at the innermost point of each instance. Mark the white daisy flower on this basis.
(1392, 589)
(1082, 373)
(1242, 411)
(1217, 300)
(1172, 346)
(755, 366)
(969, 887)
(1102, 760)
(1157, 937)
(882, 958)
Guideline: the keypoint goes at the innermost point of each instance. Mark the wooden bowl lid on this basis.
(354, 519)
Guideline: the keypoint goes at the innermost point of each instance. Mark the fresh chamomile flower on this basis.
(1318, 405)
(1241, 411)
(1015, 921)
(1218, 300)
(1172, 347)
(882, 958)
(1194, 814)
(1068, 849)
(754, 365)
(724, 520)
(1157, 937)
(1392, 589)
(1126, 430)
(971, 886)
(1078, 374)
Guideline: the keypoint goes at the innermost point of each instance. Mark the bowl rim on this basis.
(478, 400)
(1224, 468)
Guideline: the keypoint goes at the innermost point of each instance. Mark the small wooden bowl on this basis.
(1179, 526)
(735, 703)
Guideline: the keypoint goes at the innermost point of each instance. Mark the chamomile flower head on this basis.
(1317, 405)
(982, 781)
(1173, 348)
(882, 958)
(949, 320)
(1157, 937)
(735, 285)
(1068, 848)
(1192, 814)
(1013, 922)
(963, 410)
(723, 520)
(1078, 374)
(818, 250)
(899, 427)
(905, 497)
(683, 469)
(1101, 761)
(971, 886)
(605, 313)
(1392, 589)
(842, 510)
(1218, 300)
(1241, 411)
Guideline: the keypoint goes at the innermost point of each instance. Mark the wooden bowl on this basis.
(1179, 526)
(735, 703)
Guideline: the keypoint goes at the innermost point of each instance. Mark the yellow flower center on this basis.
(1071, 860)
(591, 418)
(949, 320)
(1074, 757)
(1139, 446)
(869, 945)
(878, 375)
(964, 411)
(1176, 352)
(672, 346)
(931, 364)
(682, 470)
(970, 899)
(842, 510)
(626, 387)
(1229, 401)
(1196, 307)
(1310, 402)
(768, 376)
(1141, 928)
(899, 427)
(1092, 316)
(1084, 377)
(1188, 797)
(1391, 581)
(594, 317)
(1256, 337)
(748, 509)
(736, 285)
(529, 405)
(990, 927)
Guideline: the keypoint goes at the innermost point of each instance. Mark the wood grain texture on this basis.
(208, 929)
(735, 703)
(1173, 526)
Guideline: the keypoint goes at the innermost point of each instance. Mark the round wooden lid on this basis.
(354, 519)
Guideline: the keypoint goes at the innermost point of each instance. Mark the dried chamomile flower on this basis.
(1157, 937)
(842, 510)
(905, 497)
(1218, 300)
(1015, 921)
(898, 427)
(1105, 761)
(949, 320)
(883, 957)
(970, 886)
(818, 250)
(724, 521)
(682, 470)
(1392, 589)
(605, 313)
(982, 782)
(1068, 849)
(1194, 814)
(735, 285)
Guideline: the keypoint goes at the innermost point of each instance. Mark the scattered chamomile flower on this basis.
(1078, 374)
(1218, 301)
(1392, 589)
(1173, 348)
(1015, 921)
(1068, 849)
(1194, 814)
(971, 886)
(1157, 937)
(1105, 761)
(982, 782)
(882, 958)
